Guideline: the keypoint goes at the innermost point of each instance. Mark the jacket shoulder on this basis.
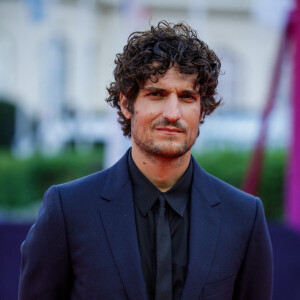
(96, 184)
(224, 189)
(230, 198)
(84, 184)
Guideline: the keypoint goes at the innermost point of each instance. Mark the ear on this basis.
(124, 106)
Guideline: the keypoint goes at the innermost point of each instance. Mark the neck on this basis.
(162, 172)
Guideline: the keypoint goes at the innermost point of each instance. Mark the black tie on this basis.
(163, 254)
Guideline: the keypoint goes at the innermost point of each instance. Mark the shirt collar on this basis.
(179, 194)
(146, 193)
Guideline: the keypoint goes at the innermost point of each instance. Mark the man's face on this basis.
(166, 115)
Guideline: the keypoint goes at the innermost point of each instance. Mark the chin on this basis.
(168, 151)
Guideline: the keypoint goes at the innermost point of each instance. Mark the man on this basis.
(155, 225)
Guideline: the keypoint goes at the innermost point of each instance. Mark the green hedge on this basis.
(23, 182)
(231, 167)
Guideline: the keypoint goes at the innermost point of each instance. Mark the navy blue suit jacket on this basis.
(84, 243)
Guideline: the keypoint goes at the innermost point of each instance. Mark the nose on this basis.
(171, 109)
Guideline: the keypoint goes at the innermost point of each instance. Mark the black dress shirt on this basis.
(145, 196)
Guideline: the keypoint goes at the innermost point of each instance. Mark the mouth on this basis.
(170, 130)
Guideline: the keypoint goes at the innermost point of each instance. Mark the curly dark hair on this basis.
(152, 53)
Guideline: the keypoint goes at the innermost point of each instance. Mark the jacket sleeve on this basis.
(45, 268)
(254, 281)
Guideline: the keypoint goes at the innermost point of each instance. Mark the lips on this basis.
(170, 130)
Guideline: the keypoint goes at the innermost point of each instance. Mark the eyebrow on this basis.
(154, 89)
(161, 90)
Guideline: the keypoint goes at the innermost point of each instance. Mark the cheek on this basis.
(194, 116)
(144, 116)
(194, 121)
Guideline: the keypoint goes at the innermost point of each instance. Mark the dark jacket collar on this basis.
(118, 175)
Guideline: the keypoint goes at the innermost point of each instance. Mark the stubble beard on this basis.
(168, 148)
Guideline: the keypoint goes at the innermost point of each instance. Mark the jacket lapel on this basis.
(204, 230)
(117, 214)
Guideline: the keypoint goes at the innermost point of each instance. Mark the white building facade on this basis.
(57, 57)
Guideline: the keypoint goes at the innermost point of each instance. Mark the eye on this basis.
(188, 98)
(155, 95)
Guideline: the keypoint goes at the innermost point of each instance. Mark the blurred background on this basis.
(56, 60)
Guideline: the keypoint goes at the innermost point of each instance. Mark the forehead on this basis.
(172, 78)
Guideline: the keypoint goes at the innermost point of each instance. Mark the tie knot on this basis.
(162, 201)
